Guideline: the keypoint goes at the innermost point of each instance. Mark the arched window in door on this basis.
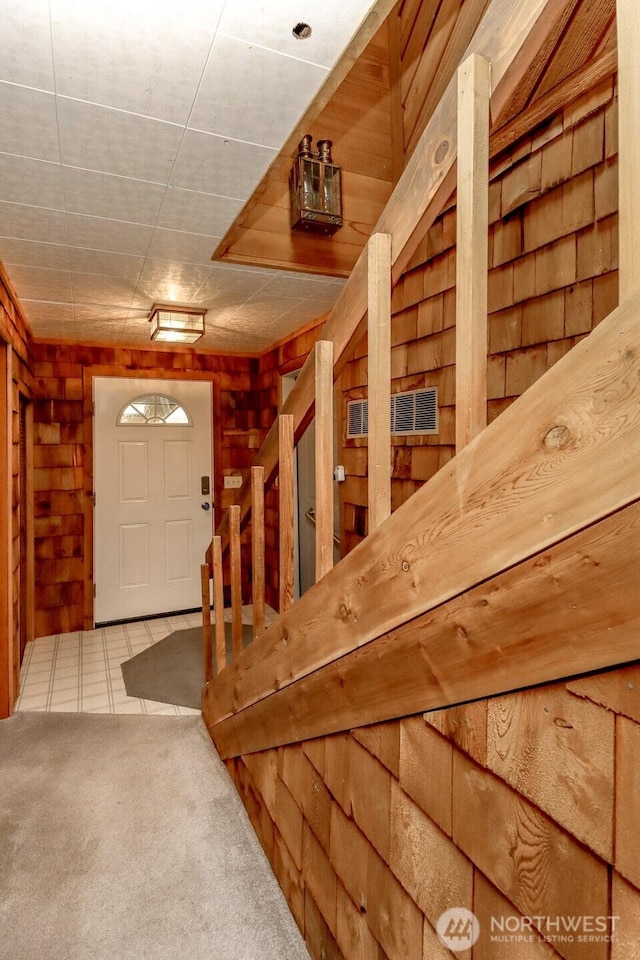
(153, 409)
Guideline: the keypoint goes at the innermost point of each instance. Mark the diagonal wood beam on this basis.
(573, 609)
(509, 37)
(561, 457)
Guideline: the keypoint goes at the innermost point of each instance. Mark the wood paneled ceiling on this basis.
(385, 89)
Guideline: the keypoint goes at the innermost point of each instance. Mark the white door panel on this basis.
(151, 531)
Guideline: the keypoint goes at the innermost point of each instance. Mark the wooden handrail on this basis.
(509, 36)
(571, 610)
(516, 489)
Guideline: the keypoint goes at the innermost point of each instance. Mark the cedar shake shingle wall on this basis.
(63, 457)
(552, 277)
(521, 806)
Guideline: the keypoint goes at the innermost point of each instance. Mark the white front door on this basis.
(152, 521)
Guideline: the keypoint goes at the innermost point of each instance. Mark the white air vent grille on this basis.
(357, 418)
(413, 412)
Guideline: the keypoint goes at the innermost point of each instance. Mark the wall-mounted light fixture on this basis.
(315, 185)
(171, 324)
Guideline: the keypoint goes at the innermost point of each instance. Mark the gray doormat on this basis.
(172, 670)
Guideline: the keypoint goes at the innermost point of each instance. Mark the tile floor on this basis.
(80, 672)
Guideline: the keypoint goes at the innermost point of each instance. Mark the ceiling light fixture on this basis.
(315, 187)
(171, 324)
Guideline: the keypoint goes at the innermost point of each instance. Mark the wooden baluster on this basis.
(474, 88)
(236, 579)
(379, 300)
(628, 29)
(324, 457)
(286, 495)
(257, 548)
(218, 604)
(206, 621)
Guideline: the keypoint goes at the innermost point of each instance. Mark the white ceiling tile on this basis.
(95, 289)
(169, 282)
(35, 182)
(94, 331)
(141, 61)
(217, 165)
(232, 282)
(138, 321)
(197, 212)
(35, 283)
(36, 136)
(41, 313)
(30, 253)
(29, 62)
(294, 285)
(263, 307)
(186, 247)
(98, 312)
(117, 198)
(32, 223)
(246, 102)
(105, 264)
(270, 23)
(132, 238)
(111, 141)
(127, 78)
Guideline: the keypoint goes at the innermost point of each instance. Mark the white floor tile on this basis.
(33, 702)
(62, 673)
(58, 684)
(129, 706)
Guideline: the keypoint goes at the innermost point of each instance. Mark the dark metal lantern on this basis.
(315, 184)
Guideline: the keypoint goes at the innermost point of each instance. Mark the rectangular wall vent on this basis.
(415, 411)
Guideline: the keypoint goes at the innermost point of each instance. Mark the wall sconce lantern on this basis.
(315, 185)
(171, 324)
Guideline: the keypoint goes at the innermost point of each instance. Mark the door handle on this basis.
(206, 505)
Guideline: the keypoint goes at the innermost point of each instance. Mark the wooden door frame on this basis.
(88, 376)
(28, 518)
(7, 639)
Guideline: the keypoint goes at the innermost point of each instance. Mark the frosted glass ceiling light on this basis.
(170, 324)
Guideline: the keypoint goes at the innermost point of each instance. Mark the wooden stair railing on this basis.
(515, 564)
(509, 38)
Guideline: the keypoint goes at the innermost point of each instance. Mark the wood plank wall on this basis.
(552, 278)
(520, 806)
(14, 333)
(63, 458)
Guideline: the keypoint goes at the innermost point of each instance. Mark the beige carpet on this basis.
(122, 838)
